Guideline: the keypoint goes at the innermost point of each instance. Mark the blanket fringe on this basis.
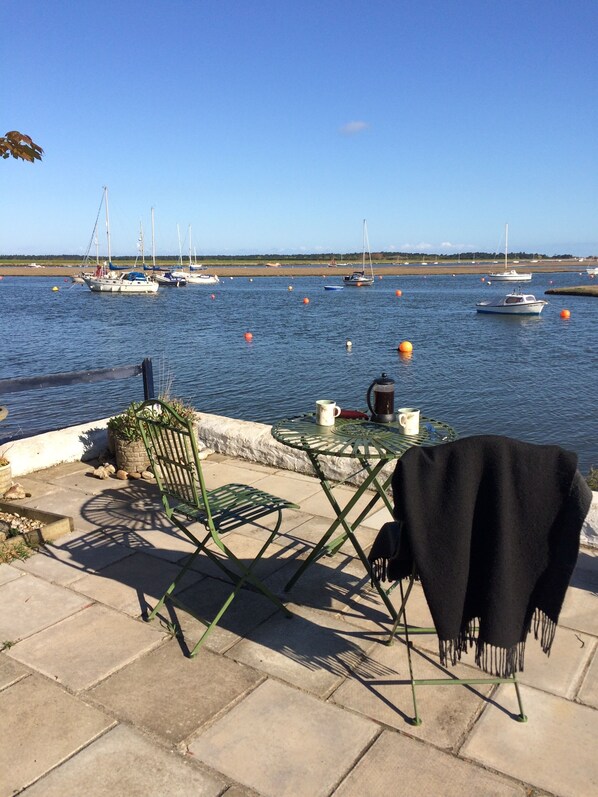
(544, 629)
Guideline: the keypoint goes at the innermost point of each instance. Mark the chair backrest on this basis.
(174, 458)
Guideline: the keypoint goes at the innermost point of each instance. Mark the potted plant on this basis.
(129, 450)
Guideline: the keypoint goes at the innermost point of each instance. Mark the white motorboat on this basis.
(513, 304)
(509, 275)
(359, 279)
(197, 279)
(592, 271)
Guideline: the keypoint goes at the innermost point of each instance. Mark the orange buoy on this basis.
(482, 279)
(398, 293)
(212, 296)
(306, 300)
(405, 346)
(565, 313)
(248, 336)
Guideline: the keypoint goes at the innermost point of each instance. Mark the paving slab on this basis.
(63, 501)
(246, 547)
(312, 650)
(318, 504)
(170, 695)
(10, 671)
(132, 585)
(74, 554)
(398, 766)
(313, 528)
(41, 726)
(217, 474)
(588, 693)
(555, 750)
(87, 647)
(586, 569)
(168, 545)
(580, 610)
(380, 689)
(8, 573)
(122, 762)
(205, 599)
(284, 743)
(29, 604)
(288, 487)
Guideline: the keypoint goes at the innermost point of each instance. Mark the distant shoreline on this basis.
(319, 270)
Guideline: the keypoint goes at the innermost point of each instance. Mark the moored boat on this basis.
(359, 279)
(509, 275)
(121, 282)
(513, 304)
(168, 279)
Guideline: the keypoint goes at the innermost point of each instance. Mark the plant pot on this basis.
(5, 478)
(131, 455)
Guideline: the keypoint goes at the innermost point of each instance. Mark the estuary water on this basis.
(534, 378)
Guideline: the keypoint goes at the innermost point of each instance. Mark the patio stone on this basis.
(246, 547)
(10, 671)
(29, 604)
(288, 487)
(398, 766)
(318, 504)
(555, 750)
(205, 598)
(170, 695)
(283, 743)
(45, 726)
(380, 689)
(85, 648)
(131, 585)
(217, 474)
(8, 573)
(586, 569)
(63, 501)
(73, 555)
(312, 650)
(122, 762)
(588, 693)
(580, 610)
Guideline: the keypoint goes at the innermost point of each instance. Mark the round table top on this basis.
(351, 437)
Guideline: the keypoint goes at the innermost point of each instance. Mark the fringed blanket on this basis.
(491, 526)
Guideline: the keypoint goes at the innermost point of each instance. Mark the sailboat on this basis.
(509, 275)
(106, 280)
(191, 276)
(359, 279)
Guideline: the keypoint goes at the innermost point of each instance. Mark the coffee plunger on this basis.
(383, 390)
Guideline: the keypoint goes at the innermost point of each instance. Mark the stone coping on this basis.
(231, 437)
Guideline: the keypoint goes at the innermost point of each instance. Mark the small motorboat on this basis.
(513, 304)
(333, 287)
(170, 279)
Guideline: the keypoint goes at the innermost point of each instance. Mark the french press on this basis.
(383, 409)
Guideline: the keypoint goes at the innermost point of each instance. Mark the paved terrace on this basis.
(94, 701)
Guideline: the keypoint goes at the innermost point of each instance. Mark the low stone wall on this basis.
(228, 436)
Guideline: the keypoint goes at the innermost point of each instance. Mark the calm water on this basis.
(531, 378)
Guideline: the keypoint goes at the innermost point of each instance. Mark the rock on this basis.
(110, 468)
(101, 472)
(148, 476)
(134, 474)
(122, 475)
(15, 492)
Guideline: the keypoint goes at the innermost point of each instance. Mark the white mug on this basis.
(326, 412)
(408, 418)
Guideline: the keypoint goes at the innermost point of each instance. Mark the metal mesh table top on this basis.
(358, 438)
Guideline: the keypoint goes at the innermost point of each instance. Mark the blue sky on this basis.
(274, 126)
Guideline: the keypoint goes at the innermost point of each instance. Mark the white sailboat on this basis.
(359, 279)
(509, 275)
(192, 277)
(109, 281)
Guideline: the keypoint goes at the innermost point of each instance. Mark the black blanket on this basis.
(491, 526)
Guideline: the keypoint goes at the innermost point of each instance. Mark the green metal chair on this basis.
(172, 450)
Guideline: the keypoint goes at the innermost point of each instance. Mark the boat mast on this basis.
(366, 243)
(189, 247)
(141, 249)
(506, 244)
(153, 243)
(107, 224)
(178, 232)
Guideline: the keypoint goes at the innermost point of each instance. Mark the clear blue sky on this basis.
(276, 126)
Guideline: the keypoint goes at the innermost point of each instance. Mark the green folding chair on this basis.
(172, 450)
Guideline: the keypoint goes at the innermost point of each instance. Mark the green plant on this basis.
(8, 643)
(124, 426)
(592, 478)
(14, 550)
